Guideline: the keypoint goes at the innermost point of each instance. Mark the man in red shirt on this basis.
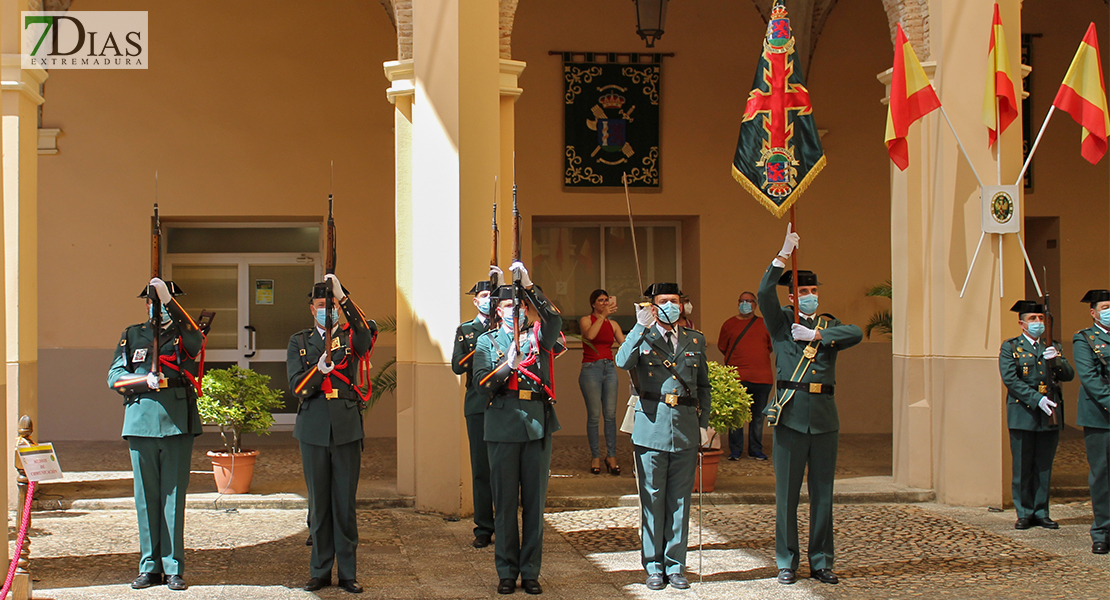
(747, 346)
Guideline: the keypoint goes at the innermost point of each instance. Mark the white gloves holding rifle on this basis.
(518, 269)
(1050, 353)
(323, 366)
(644, 316)
(336, 288)
(802, 333)
(152, 381)
(1046, 405)
(513, 356)
(494, 270)
(163, 292)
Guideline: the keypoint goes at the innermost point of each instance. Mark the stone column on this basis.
(3, 328)
(949, 405)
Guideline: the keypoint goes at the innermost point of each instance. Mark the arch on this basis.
(400, 14)
(914, 17)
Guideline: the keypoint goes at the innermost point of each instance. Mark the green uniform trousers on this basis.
(519, 470)
(161, 468)
(1033, 453)
(666, 482)
(1098, 457)
(479, 474)
(793, 450)
(331, 475)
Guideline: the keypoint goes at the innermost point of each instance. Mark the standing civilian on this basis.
(747, 346)
(598, 379)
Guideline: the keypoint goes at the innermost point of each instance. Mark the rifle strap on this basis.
(738, 338)
(1098, 355)
(808, 355)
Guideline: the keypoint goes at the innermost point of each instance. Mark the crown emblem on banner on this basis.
(611, 100)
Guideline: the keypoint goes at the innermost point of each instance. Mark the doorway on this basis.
(1042, 242)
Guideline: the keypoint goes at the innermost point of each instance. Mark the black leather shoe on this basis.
(1048, 523)
(481, 540)
(145, 580)
(786, 576)
(678, 581)
(655, 582)
(176, 582)
(1023, 523)
(350, 586)
(317, 583)
(825, 576)
(531, 586)
(1100, 547)
(506, 586)
(308, 542)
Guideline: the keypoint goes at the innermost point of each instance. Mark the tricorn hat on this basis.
(174, 290)
(320, 290)
(1095, 296)
(1022, 307)
(657, 289)
(481, 286)
(502, 293)
(805, 278)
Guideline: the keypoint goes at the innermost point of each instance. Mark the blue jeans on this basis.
(598, 381)
(759, 392)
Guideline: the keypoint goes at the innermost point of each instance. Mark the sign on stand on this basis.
(39, 462)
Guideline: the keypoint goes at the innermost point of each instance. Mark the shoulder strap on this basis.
(304, 349)
(738, 338)
(1098, 355)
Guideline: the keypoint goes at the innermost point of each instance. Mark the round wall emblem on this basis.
(1002, 207)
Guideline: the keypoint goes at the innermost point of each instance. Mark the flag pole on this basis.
(972, 266)
(961, 144)
(1036, 142)
(998, 147)
(1001, 289)
(794, 263)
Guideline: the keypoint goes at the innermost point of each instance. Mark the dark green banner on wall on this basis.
(611, 119)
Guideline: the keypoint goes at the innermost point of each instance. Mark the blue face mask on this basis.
(321, 316)
(745, 308)
(507, 317)
(668, 313)
(483, 305)
(808, 304)
(1035, 329)
(165, 314)
(1104, 317)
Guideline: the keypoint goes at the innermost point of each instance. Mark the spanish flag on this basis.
(911, 97)
(1083, 96)
(999, 101)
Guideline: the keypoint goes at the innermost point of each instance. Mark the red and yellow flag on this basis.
(911, 97)
(1083, 96)
(999, 101)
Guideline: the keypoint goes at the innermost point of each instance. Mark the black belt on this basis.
(671, 399)
(536, 396)
(813, 388)
(172, 382)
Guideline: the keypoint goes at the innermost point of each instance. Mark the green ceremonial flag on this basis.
(779, 151)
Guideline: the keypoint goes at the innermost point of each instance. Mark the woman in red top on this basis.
(598, 379)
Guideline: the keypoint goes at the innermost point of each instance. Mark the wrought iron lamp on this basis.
(651, 15)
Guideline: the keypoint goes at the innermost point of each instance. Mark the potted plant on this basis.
(731, 409)
(238, 401)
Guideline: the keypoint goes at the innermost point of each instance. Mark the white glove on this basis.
(790, 243)
(513, 356)
(163, 292)
(323, 366)
(1050, 353)
(494, 270)
(704, 436)
(802, 333)
(518, 268)
(1046, 405)
(336, 287)
(152, 381)
(644, 316)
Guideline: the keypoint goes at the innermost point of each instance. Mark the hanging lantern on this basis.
(650, 18)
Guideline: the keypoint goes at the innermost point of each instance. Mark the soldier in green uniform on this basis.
(803, 414)
(329, 429)
(1093, 413)
(672, 415)
(1030, 371)
(160, 420)
(520, 418)
(474, 410)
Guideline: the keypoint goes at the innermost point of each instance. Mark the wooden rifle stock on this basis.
(1050, 365)
(518, 311)
(493, 242)
(151, 293)
(329, 268)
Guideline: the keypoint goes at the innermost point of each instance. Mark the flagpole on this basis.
(973, 259)
(1001, 289)
(961, 144)
(998, 144)
(794, 263)
(1036, 142)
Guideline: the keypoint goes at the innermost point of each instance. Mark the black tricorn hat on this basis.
(1095, 296)
(481, 286)
(320, 290)
(174, 290)
(1022, 307)
(657, 289)
(805, 278)
(502, 293)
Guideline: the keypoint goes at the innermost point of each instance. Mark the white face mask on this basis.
(688, 308)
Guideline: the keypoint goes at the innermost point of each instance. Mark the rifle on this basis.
(152, 294)
(493, 243)
(1053, 386)
(329, 268)
(517, 287)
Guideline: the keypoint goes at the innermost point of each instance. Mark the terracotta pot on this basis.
(234, 471)
(708, 476)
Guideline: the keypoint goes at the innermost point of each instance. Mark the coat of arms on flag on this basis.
(611, 120)
(779, 150)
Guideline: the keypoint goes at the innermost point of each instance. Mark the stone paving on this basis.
(884, 551)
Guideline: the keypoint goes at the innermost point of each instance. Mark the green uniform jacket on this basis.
(659, 426)
(1023, 371)
(805, 412)
(508, 418)
(1094, 395)
(321, 421)
(165, 412)
(462, 363)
